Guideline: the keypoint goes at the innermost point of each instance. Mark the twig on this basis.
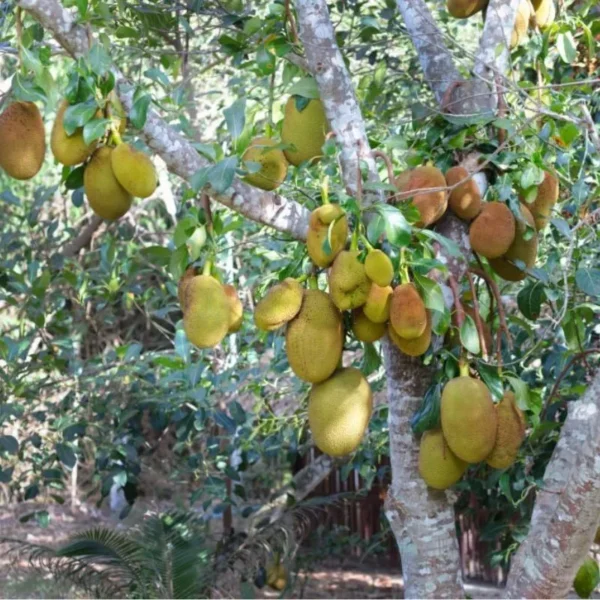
(83, 239)
(589, 122)
(289, 17)
(205, 200)
(478, 323)
(488, 286)
(388, 163)
(460, 311)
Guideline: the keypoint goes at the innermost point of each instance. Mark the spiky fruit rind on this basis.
(348, 283)
(408, 314)
(379, 268)
(318, 231)
(273, 164)
(305, 130)
(511, 431)
(415, 347)
(545, 199)
(207, 315)
(280, 305)
(463, 9)
(378, 303)
(430, 204)
(22, 140)
(364, 329)
(586, 579)
(107, 197)
(493, 231)
(465, 198)
(315, 338)
(519, 33)
(520, 250)
(236, 309)
(339, 410)
(134, 171)
(438, 465)
(69, 150)
(469, 419)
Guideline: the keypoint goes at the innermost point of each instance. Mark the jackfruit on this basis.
(22, 140)
(68, 150)
(587, 578)
(521, 249)
(469, 419)
(348, 283)
(364, 329)
(519, 33)
(463, 9)
(107, 197)
(493, 231)
(431, 205)
(408, 315)
(379, 268)
(511, 432)
(318, 231)
(280, 305)
(207, 314)
(438, 465)
(315, 338)
(189, 274)
(379, 301)
(236, 309)
(134, 171)
(339, 410)
(273, 165)
(545, 199)
(277, 577)
(545, 12)
(465, 198)
(305, 130)
(415, 347)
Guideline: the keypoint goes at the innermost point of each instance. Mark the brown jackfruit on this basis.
(408, 315)
(379, 268)
(511, 432)
(463, 9)
(545, 199)
(379, 301)
(348, 283)
(520, 250)
(134, 171)
(415, 347)
(107, 197)
(519, 33)
(493, 231)
(189, 274)
(236, 314)
(273, 164)
(469, 418)
(431, 205)
(68, 150)
(339, 410)
(318, 231)
(438, 465)
(364, 329)
(207, 314)
(304, 129)
(22, 140)
(545, 12)
(465, 198)
(280, 305)
(315, 338)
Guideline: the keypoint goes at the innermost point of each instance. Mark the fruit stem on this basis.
(302, 278)
(404, 276)
(207, 267)
(365, 241)
(115, 135)
(19, 31)
(463, 367)
(325, 190)
(313, 284)
(355, 237)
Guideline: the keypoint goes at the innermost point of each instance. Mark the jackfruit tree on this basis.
(396, 216)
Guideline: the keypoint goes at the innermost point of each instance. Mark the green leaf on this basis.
(127, 32)
(306, 88)
(521, 390)
(25, 89)
(66, 455)
(371, 359)
(491, 378)
(469, 337)
(77, 115)
(397, 229)
(235, 117)
(9, 444)
(158, 76)
(568, 133)
(431, 292)
(530, 300)
(265, 60)
(531, 176)
(75, 178)
(505, 487)
(451, 247)
(82, 6)
(428, 414)
(99, 59)
(184, 229)
(94, 129)
(588, 281)
(139, 111)
(567, 47)
(220, 176)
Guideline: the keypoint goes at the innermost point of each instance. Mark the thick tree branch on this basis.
(83, 239)
(179, 155)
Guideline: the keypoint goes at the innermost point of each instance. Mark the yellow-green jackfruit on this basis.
(379, 268)
(438, 465)
(304, 129)
(545, 199)
(320, 222)
(280, 305)
(378, 303)
(348, 283)
(364, 329)
(236, 314)
(68, 150)
(134, 171)
(511, 431)
(273, 164)
(408, 314)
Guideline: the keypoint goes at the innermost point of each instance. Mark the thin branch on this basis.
(460, 311)
(83, 239)
(478, 323)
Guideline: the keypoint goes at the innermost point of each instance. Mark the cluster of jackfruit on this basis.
(540, 13)
(303, 134)
(210, 309)
(473, 429)
(494, 232)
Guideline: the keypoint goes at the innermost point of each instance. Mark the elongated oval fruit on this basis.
(321, 220)
(493, 231)
(519, 33)
(511, 432)
(364, 329)
(415, 347)
(408, 314)
(463, 9)
(378, 303)
(545, 199)
(272, 161)
(236, 309)
(304, 128)
(469, 419)
(134, 171)
(379, 268)
(314, 338)
(465, 198)
(22, 140)
(430, 201)
(438, 465)
(280, 305)
(207, 315)
(348, 283)
(107, 197)
(69, 150)
(339, 410)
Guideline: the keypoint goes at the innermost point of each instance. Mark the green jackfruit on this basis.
(408, 314)
(22, 140)
(511, 432)
(544, 201)
(315, 338)
(134, 171)
(273, 164)
(280, 305)
(378, 303)
(364, 329)
(469, 419)
(339, 410)
(68, 150)
(587, 578)
(379, 268)
(438, 465)
(318, 231)
(348, 283)
(304, 129)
